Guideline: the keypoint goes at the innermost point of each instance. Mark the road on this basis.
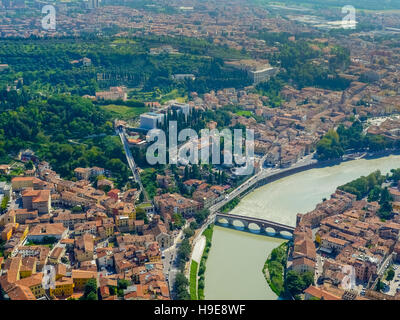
(262, 174)
(170, 266)
(131, 161)
(381, 270)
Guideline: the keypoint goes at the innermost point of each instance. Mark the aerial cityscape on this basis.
(199, 150)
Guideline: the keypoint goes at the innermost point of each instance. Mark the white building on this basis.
(149, 120)
(181, 107)
(260, 75)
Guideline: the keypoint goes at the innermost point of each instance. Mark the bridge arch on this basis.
(255, 227)
(222, 220)
(270, 231)
(238, 223)
(286, 234)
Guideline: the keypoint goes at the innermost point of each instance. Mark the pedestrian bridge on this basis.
(265, 226)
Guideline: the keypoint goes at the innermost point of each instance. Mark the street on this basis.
(170, 267)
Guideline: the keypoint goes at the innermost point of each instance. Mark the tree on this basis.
(385, 211)
(113, 290)
(390, 274)
(201, 215)
(181, 287)
(380, 285)
(193, 225)
(92, 296)
(141, 196)
(29, 165)
(188, 232)
(385, 196)
(4, 202)
(395, 175)
(123, 284)
(90, 290)
(374, 194)
(362, 186)
(140, 213)
(184, 250)
(294, 282)
(329, 146)
(308, 279)
(178, 220)
(2, 294)
(77, 209)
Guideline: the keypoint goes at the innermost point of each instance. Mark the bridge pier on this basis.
(263, 228)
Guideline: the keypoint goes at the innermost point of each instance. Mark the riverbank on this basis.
(230, 205)
(295, 168)
(274, 269)
(193, 280)
(200, 276)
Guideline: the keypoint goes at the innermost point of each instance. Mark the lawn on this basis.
(31, 244)
(124, 112)
(144, 96)
(193, 280)
(173, 95)
(208, 233)
(123, 41)
(144, 205)
(244, 113)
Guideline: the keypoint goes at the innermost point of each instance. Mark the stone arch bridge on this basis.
(263, 224)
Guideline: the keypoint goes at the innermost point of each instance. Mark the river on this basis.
(236, 258)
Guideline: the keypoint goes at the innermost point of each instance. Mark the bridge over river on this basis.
(262, 224)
